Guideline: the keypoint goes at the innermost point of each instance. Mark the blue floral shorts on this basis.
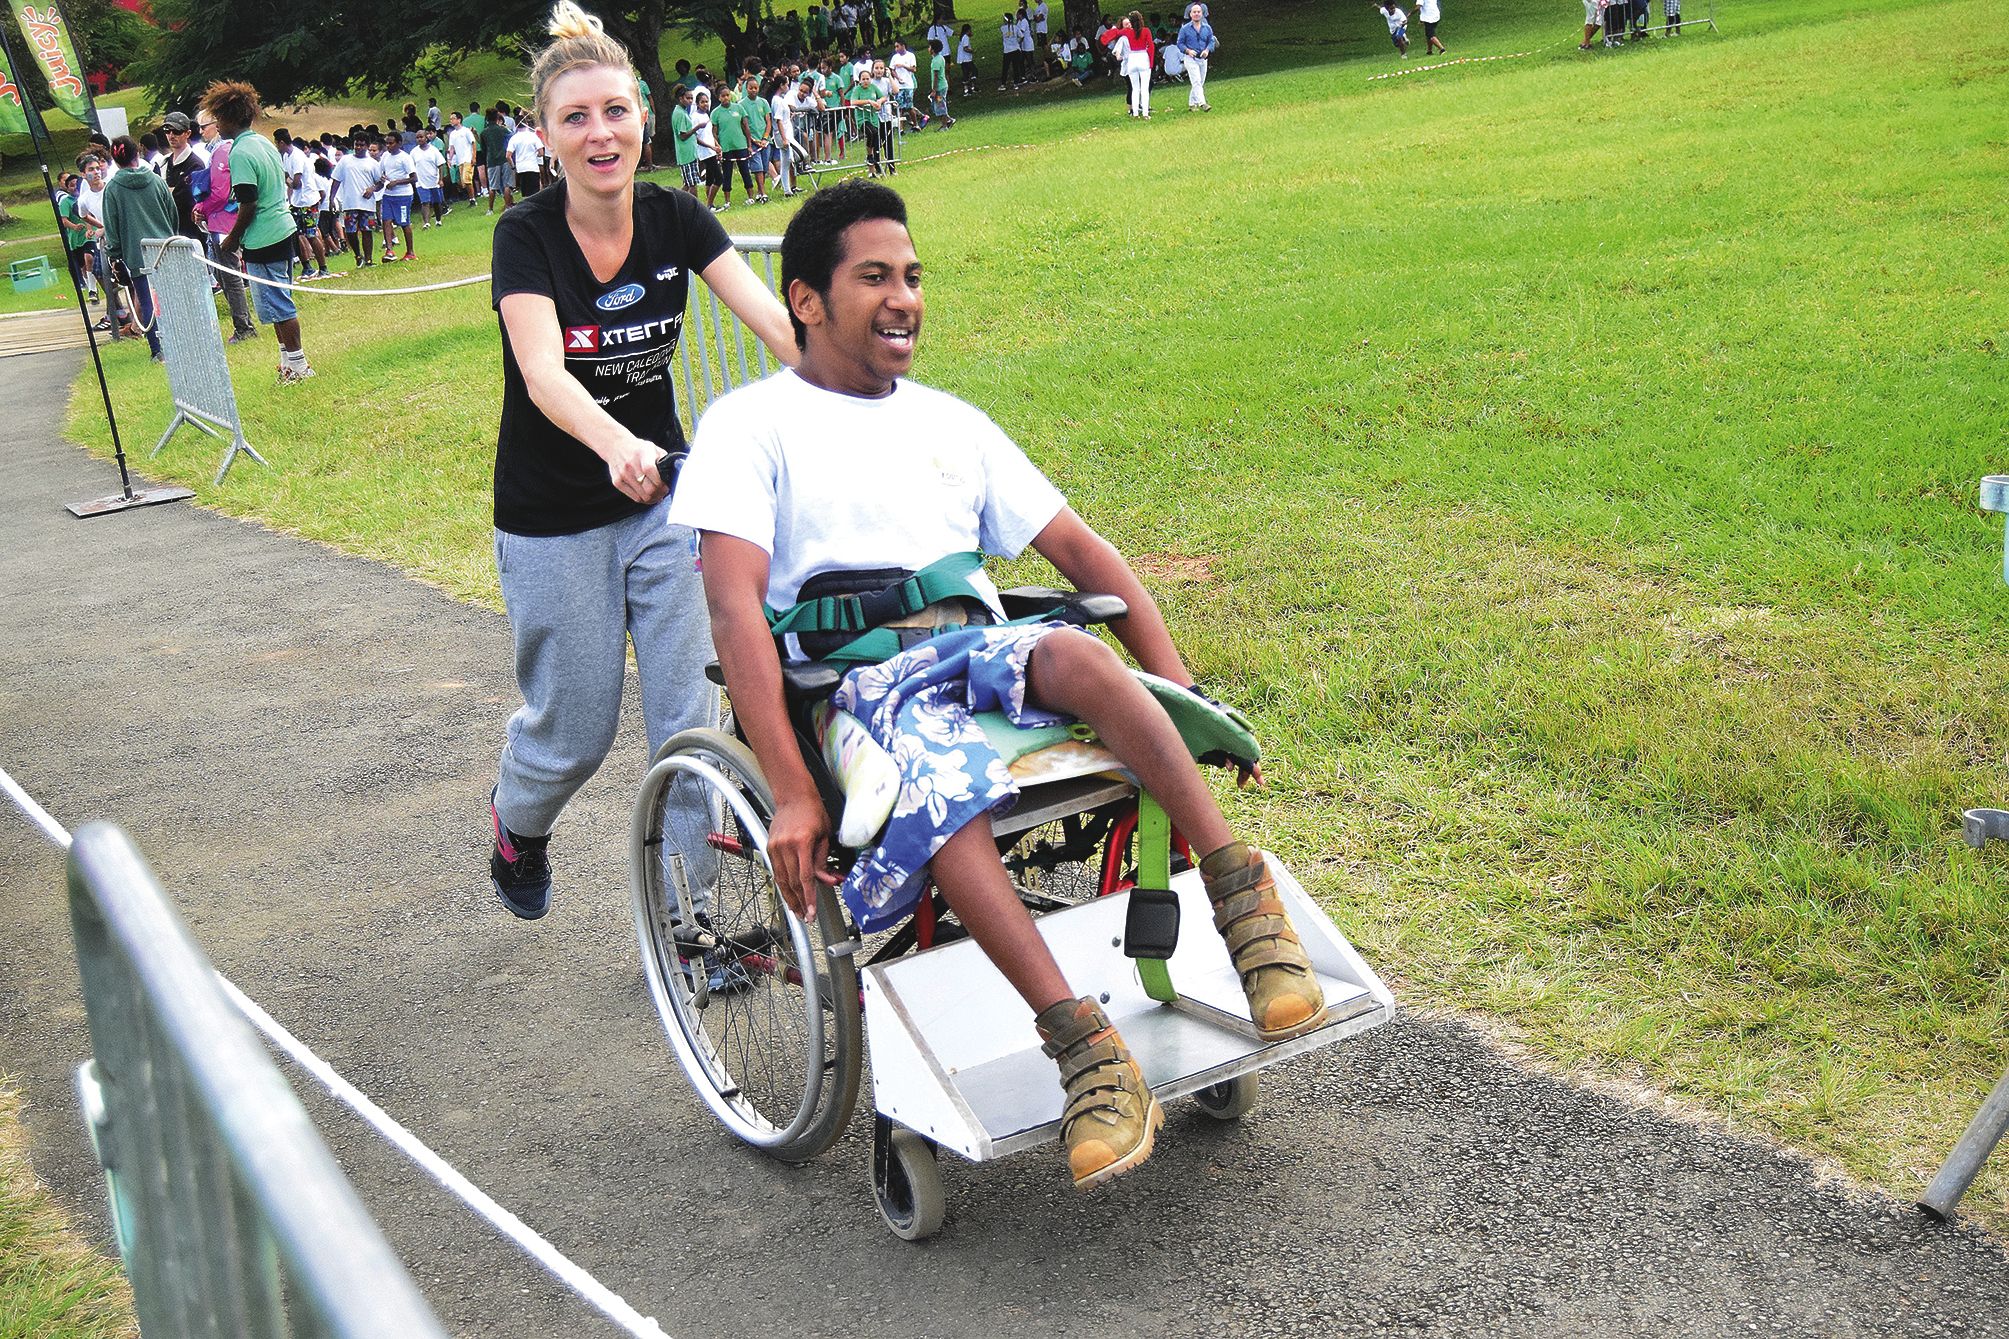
(919, 706)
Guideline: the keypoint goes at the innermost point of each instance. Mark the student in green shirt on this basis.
(264, 224)
(729, 124)
(938, 85)
(683, 139)
(761, 141)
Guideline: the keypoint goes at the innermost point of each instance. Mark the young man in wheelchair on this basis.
(842, 466)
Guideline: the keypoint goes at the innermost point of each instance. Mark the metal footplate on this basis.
(955, 1057)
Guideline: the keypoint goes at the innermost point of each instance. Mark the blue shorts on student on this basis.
(432, 195)
(396, 209)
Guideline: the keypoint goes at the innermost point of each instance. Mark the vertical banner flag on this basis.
(50, 43)
(13, 112)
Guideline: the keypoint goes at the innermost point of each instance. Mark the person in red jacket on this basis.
(1135, 57)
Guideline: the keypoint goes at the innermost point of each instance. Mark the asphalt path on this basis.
(302, 744)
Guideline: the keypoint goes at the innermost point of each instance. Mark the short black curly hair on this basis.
(814, 242)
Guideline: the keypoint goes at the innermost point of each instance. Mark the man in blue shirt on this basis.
(1196, 45)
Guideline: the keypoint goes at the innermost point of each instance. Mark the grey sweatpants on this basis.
(573, 601)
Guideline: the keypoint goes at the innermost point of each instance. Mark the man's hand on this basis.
(798, 849)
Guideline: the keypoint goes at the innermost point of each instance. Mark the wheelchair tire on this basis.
(1230, 1100)
(906, 1182)
(770, 1035)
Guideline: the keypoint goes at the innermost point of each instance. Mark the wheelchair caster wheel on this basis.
(1230, 1100)
(906, 1181)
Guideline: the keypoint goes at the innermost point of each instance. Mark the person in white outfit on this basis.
(1132, 40)
(1197, 45)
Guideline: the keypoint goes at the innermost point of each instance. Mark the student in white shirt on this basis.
(357, 180)
(526, 155)
(427, 165)
(394, 209)
(1008, 41)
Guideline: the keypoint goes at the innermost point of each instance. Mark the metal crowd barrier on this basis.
(191, 342)
(1981, 826)
(717, 352)
(843, 129)
(230, 1213)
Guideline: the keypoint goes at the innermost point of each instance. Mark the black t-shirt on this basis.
(176, 175)
(620, 339)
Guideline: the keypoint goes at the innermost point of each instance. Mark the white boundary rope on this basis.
(1445, 65)
(520, 1234)
(345, 292)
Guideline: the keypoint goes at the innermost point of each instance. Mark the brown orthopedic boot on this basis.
(1284, 996)
(1111, 1117)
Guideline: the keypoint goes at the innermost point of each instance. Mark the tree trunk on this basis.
(641, 31)
(1081, 14)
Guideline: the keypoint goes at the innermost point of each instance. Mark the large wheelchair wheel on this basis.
(763, 1020)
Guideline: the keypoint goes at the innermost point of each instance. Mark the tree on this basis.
(293, 52)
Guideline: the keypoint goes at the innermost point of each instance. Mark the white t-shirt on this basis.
(1175, 61)
(459, 145)
(964, 55)
(701, 134)
(307, 194)
(827, 482)
(90, 203)
(902, 64)
(1024, 36)
(943, 33)
(525, 149)
(426, 163)
(353, 175)
(1008, 36)
(394, 164)
(1427, 11)
(1396, 19)
(1039, 18)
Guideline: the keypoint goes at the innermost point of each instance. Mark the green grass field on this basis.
(51, 1286)
(1569, 461)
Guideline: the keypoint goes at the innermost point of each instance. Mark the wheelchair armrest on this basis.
(801, 681)
(809, 680)
(1081, 608)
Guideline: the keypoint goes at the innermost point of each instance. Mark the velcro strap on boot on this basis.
(1253, 930)
(1071, 1028)
(1084, 1058)
(1251, 902)
(1240, 880)
(1116, 1099)
(1276, 952)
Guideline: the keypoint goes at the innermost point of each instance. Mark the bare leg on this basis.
(1078, 674)
(972, 878)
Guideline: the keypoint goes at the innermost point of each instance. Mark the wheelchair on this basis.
(769, 1014)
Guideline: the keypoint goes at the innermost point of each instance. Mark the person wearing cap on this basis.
(185, 158)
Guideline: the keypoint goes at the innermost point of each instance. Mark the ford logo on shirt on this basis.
(627, 295)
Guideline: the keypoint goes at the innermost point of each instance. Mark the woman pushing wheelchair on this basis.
(844, 477)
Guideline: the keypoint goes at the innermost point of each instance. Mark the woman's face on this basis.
(593, 125)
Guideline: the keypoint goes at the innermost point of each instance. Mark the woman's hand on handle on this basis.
(635, 466)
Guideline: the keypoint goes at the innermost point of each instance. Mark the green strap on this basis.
(1154, 870)
(946, 579)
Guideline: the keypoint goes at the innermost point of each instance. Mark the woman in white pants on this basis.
(1197, 44)
(1137, 60)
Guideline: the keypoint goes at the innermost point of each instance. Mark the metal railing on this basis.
(717, 353)
(1980, 826)
(191, 344)
(230, 1213)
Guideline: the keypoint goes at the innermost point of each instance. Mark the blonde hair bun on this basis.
(568, 20)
